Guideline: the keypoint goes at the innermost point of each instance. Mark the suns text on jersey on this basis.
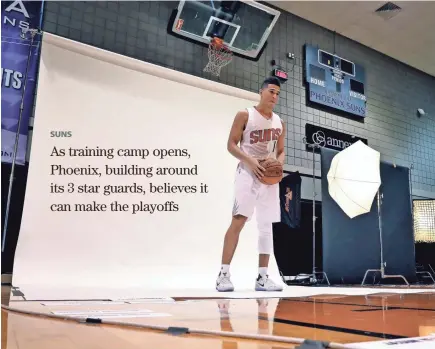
(267, 135)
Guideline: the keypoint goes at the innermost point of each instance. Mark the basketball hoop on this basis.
(219, 56)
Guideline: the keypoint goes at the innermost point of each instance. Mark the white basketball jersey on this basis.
(260, 136)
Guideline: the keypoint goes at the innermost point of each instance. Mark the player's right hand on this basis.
(255, 166)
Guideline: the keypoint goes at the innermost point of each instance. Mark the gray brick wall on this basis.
(394, 91)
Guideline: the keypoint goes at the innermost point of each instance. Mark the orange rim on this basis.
(218, 42)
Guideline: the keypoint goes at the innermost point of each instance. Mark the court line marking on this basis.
(379, 308)
(336, 329)
(352, 304)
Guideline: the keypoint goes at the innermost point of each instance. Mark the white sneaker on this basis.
(223, 283)
(263, 283)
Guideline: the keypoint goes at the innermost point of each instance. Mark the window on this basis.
(424, 220)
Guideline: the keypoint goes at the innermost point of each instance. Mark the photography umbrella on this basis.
(354, 180)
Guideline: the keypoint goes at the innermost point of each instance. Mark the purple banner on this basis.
(17, 16)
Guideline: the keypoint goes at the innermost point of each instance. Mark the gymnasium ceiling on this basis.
(408, 36)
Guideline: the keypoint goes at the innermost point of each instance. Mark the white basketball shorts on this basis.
(252, 195)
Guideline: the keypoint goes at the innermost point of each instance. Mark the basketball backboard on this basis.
(243, 25)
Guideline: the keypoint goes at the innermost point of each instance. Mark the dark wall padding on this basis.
(351, 246)
(293, 247)
(15, 211)
(397, 225)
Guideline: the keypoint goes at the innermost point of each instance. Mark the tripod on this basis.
(315, 145)
(383, 264)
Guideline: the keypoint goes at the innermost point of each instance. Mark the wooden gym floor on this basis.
(333, 318)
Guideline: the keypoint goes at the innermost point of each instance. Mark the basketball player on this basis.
(261, 134)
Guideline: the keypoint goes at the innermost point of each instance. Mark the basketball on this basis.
(273, 171)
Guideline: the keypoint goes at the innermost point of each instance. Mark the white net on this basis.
(219, 56)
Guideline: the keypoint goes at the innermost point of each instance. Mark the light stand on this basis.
(33, 33)
(383, 264)
(317, 140)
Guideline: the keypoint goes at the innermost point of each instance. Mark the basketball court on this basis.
(130, 260)
(363, 321)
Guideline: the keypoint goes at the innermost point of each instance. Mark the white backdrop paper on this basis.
(107, 105)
